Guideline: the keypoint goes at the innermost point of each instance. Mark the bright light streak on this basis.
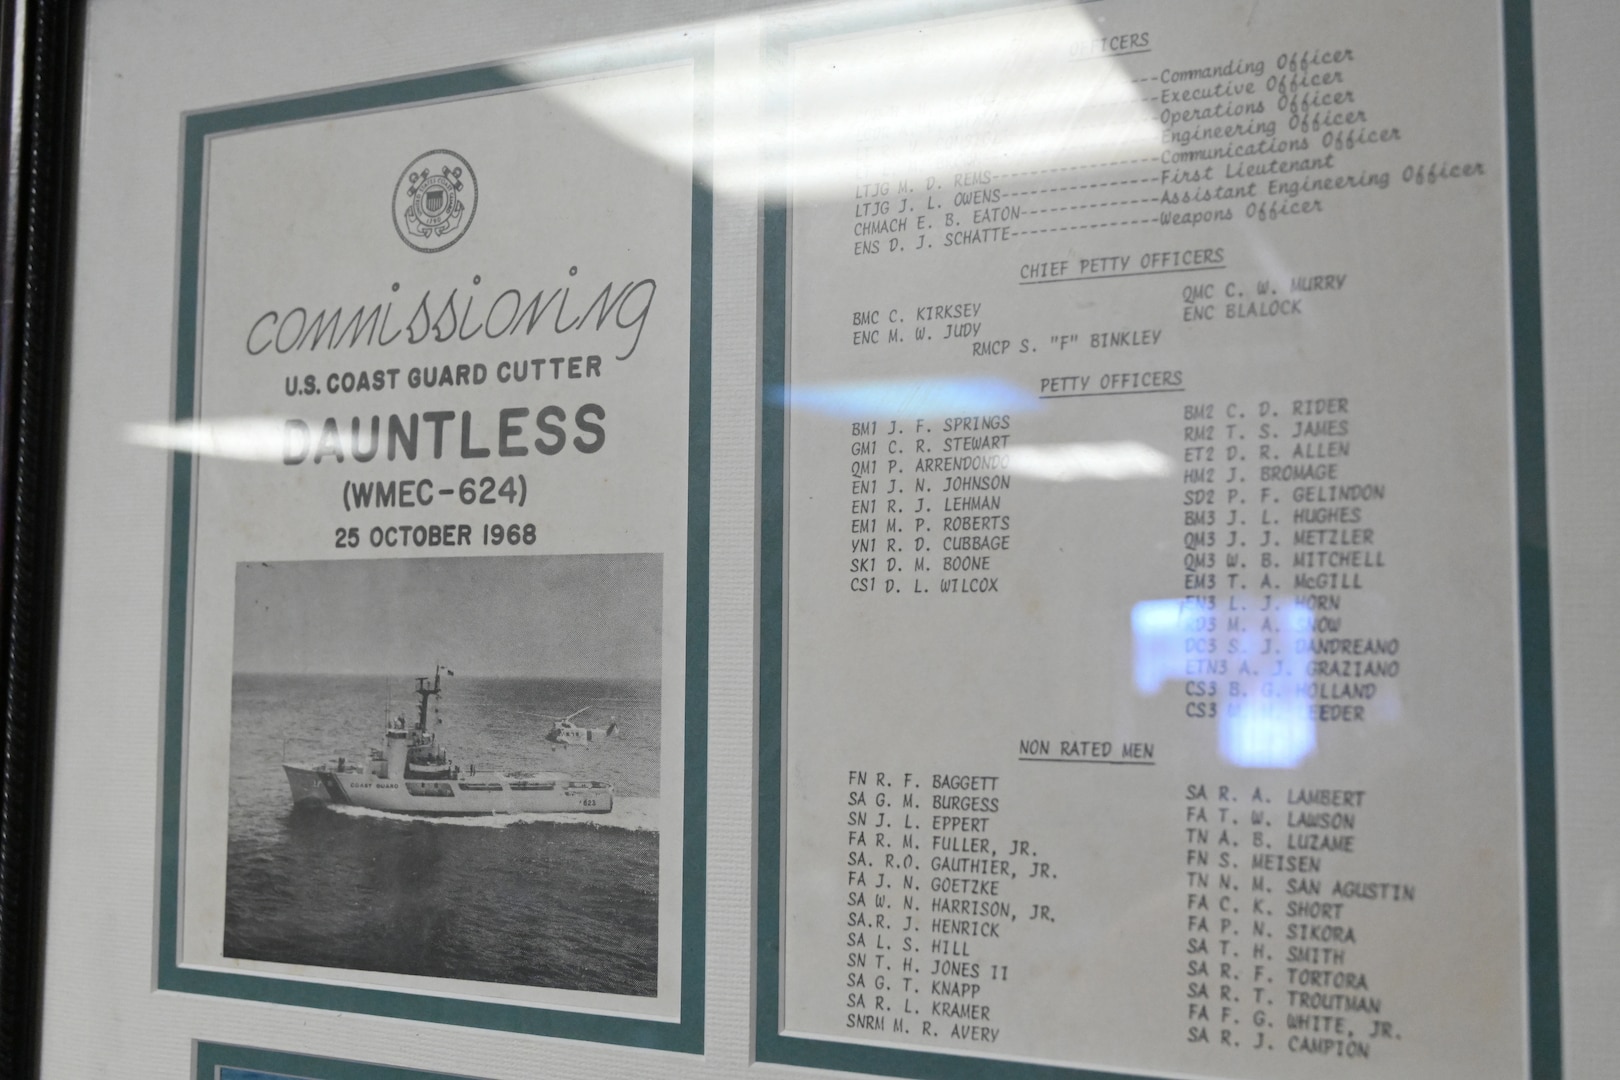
(1064, 462)
(1003, 91)
(247, 438)
(911, 399)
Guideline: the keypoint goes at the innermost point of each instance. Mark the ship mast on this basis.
(423, 693)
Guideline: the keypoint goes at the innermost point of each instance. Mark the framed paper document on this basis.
(219, 1061)
(437, 625)
(1153, 623)
(921, 538)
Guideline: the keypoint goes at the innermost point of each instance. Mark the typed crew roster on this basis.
(1149, 620)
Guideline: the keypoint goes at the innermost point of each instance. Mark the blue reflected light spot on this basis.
(921, 399)
(1274, 734)
(1160, 631)
(1255, 662)
(1268, 725)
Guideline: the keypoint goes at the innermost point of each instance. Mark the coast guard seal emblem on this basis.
(434, 200)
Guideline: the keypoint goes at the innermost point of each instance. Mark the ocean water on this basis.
(563, 901)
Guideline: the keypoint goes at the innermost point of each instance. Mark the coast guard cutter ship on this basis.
(412, 774)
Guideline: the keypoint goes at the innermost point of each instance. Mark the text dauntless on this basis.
(516, 432)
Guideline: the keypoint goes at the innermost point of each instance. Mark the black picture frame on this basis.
(39, 65)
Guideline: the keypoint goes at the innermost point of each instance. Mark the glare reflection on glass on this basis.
(920, 399)
(1266, 710)
(1160, 630)
(1064, 462)
(886, 112)
(1247, 675)
(244, 438)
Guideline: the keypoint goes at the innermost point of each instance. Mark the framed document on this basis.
(437, 641)
(919, 539)
(1154, 625)
(219, 1061)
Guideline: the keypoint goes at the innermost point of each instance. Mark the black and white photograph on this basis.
(449, 767)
